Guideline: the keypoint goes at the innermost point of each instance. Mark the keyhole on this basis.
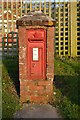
(33, 65)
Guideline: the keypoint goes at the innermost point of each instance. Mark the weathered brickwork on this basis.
(50, 53)
(36, 91)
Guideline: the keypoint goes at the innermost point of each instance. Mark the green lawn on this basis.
(66, 87)
(10, 88)
(67, 84)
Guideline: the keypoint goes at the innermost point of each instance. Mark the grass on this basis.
(10, 84)
(66, 86)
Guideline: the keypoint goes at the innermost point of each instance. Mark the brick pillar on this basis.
(36, 91)
(34, 88)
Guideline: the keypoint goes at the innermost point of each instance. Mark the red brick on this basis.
(22, 36)
(22, 76)
(22, 72)
(44, 82)
(27, 83)
(21, 65)
(44, 93)
(22, 92)
(27, 93)
(38, 99)
(24, 88)
(22, 60)
(49, 88)
(23, 83)
(23, 96)
(37, 88)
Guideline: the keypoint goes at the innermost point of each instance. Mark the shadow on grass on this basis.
(72, 64)
(69, 87)
(11, 64)
(67, 78)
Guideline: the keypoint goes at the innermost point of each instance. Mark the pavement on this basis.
(37, 111)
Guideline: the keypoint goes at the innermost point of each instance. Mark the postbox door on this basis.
(36, 60)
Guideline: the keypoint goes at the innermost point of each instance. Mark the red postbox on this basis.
(36, 57)
(36, 60)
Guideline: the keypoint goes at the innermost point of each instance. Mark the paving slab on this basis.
(37, 111)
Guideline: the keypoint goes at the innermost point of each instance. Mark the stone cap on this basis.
(34, 18)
